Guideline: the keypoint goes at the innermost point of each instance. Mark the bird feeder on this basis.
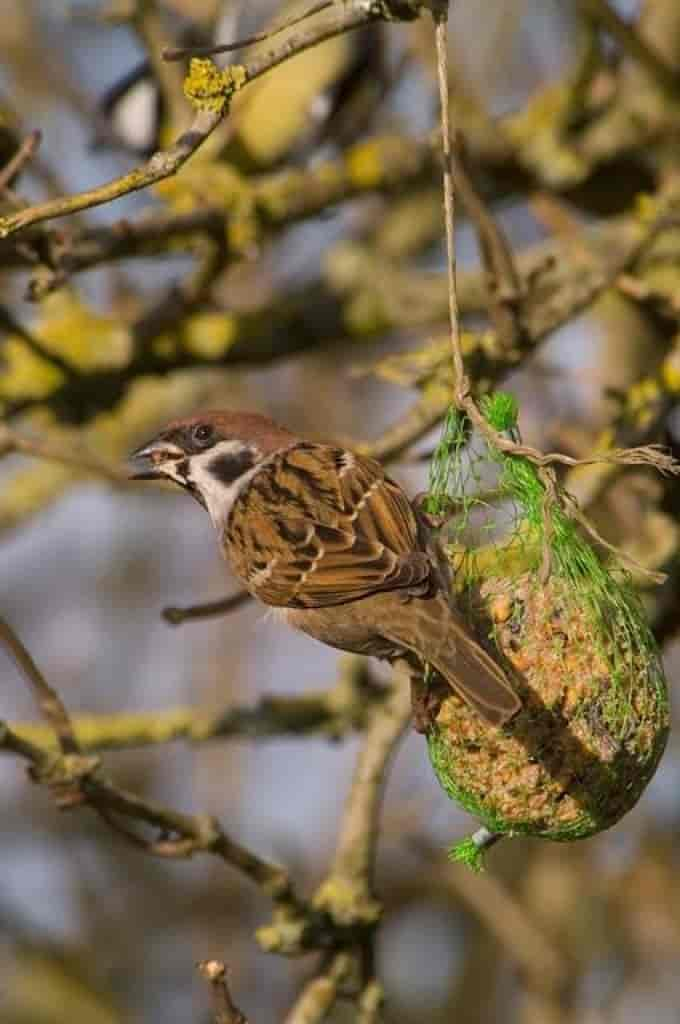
(569, 630)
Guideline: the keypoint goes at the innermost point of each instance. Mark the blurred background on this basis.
(324, 306)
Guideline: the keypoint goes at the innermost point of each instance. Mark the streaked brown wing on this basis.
(321, 526)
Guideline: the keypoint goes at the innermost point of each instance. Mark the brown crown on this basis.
(247, 426)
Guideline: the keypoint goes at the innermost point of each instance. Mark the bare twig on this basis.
(148, 21)
(47, 699)
(45, 448)
(275, 201)
(424, 414)
(342, 904)
(175, 616)
(633, 44)
(370, 1003)
(14, 744)
(347, 893)
(345, 898)
(182, 835)
(161, 165)
(225, 1011)
(180, 53)
(319, 995)
(335, 712)
(504, 285)
(75, 779)
(214, 90)
(23, 155)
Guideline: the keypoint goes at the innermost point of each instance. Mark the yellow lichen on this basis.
(202, 183)
(279, 192)
(242, 228)
(210, 335)
(69, 329)
(538, 132)
(641, 400)
(25, 373)
(365, 167)
(89, 340)
(670, 370)
(646, 208)
(210, 88)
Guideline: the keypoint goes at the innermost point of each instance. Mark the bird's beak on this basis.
(145, 463)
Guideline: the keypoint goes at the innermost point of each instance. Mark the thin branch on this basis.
(183, 835)
(343, 904)
(347, 892)
(345, 901)
(148, 22)
(75, 779)
(504, 285)
(47, 699)
(161, 165)
(371, 1002)
(422, 416)
(333, 713)
(633, 44)
(181, 53)
(214, 90)
(175, 615)
(23, 155)
(225, 1011)
(13, 443)
(275, 202)
(319, 995)
(15, 744)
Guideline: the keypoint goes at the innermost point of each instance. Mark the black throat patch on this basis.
(230, 466)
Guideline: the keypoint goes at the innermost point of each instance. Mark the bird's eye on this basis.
(202, 435)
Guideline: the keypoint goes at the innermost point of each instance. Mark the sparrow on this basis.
(324, 536)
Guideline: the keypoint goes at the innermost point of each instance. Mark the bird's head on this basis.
(211, 456)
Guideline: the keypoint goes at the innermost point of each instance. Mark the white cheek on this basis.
(219, 497)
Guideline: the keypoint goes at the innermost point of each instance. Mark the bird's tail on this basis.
(439, 635)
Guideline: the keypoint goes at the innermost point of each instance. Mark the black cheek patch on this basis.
(227, 468)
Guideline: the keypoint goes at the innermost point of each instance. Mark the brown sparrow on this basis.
(326, 537)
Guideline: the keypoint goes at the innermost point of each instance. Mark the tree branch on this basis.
(23, 155)
(225, 1011)
(319, 995)
(175, 616)
(12, 442)
(212, 91)
(47, 699)
(666, 77)
(345, 707)
(345, 899)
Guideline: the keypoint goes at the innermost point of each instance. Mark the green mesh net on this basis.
(570, 631)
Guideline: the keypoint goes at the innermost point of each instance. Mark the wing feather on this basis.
(322, 526)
